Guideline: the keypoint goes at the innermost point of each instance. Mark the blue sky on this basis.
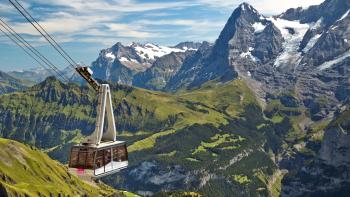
(84, 27)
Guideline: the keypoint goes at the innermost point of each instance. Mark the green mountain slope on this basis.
(213, 159)
(212, 140)
(52, 113)
(11, 84)
(25, 171)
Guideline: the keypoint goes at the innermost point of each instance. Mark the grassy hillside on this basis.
(25, 171)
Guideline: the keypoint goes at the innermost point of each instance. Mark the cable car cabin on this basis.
(97, 161)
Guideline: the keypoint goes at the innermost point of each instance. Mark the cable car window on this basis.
(82, 159)
(99, 159)
(108, 156)
(122, 153)
(74, 157)
(90, 159)
(119, 154)
(116, 154)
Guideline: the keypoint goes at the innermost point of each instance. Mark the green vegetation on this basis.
(230, 98)
(27, 171)
(68, 111)
(275, 183)
(126, 194)
(218, 140)
(218, 129)
(178, 194)
(148, 142)
(241, 179)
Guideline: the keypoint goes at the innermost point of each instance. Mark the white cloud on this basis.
(183, 22)
(103, 21)
(5, 8)
(99, 19)
(115, 5)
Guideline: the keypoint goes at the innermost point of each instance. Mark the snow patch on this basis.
(345, 15)
(188, 49)
(317, 25)
(248, 54)
(151, 51)
(124, 59)
(337, 60)
(290, 55)
(258, 27)
(249, 74)
(311, 43)
(110, 56)
(243, 7)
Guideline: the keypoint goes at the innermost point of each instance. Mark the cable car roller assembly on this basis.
(99, 154)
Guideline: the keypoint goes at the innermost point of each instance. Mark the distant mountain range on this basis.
(287, 53)
(148, 65)
(276, 55)
(11, 84)
(33, 74)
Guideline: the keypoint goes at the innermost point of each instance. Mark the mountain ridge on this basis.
(11, 84)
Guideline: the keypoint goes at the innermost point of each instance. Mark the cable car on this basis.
(98, 161)
(99, 154)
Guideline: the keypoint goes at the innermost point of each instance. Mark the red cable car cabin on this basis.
(92, 161)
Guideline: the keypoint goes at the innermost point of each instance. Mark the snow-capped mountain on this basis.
(305, 51)
(120, 63)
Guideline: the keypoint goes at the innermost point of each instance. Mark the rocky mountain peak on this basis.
(188, 45)
(50, 82)
(246, 8)
(244, 20)
(329, 11)
(117, 45)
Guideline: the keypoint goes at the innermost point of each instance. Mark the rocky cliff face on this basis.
(162, 70)
(327, 173)
(246, 38)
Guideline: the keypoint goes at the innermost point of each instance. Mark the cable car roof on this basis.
(101, 145)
